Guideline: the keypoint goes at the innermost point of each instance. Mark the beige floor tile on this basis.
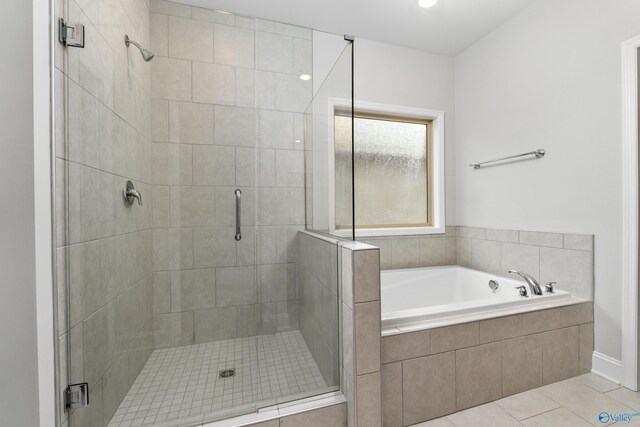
(626, 397)
(582, 400)
(527, 404)
(597, 382)
(560, 417)
(438, 422)
(489, 415)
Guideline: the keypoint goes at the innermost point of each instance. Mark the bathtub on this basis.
(422, 298)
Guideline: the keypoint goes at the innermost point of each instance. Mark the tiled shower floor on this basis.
(183, 381)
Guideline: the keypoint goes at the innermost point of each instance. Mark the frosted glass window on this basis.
(392, 176)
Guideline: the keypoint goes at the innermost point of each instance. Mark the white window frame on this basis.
(437, 119)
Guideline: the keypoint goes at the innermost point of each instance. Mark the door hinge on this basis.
(76, 396)
(70, 34)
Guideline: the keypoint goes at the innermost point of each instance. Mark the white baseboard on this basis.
(607, 367)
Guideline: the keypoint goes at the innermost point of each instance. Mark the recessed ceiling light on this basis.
(224, 12)
(305, 77)
(297, 141)
(426, 3)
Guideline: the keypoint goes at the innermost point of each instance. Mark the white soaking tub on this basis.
(423, 298)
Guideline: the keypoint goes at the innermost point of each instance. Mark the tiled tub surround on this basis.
(104, 254)
(563, 258)
(227, 107)
(430, 373)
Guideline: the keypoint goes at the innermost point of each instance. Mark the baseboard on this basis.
(607, 367)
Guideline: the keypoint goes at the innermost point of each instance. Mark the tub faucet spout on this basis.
(533, 284)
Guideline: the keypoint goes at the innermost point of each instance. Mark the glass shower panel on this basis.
(292, 363)
(329, 153)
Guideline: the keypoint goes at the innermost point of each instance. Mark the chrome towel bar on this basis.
(539, 153)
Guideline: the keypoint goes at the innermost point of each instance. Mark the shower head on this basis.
(147, 55)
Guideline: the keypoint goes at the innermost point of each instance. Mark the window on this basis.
(394, 173)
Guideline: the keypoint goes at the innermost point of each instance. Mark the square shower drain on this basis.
(227, 373)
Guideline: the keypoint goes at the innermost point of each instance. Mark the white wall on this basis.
(327, 48)
(394, 75)
(550, 78)
(18, 351)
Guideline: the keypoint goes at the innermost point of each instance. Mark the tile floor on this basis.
(183, 381)
(575, 402)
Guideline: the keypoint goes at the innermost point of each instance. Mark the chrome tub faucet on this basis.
(533, 283)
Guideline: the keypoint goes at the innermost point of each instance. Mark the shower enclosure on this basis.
(184, 176)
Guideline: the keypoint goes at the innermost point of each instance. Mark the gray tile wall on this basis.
(319, 302)
(563, 258)
(104, 254)
(431, 373)
(226, 113)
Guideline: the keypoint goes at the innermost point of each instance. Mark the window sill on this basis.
(386, 232)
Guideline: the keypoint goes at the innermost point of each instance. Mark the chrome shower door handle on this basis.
(238, 194)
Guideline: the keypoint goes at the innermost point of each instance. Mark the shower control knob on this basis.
(129, 194)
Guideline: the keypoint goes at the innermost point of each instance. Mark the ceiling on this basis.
(448, 28)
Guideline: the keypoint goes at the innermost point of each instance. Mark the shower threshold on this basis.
(185, 383)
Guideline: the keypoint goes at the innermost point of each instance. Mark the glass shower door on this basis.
(158, 308)
(180, 195)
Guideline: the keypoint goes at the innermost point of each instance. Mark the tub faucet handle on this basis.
(549, 287)
(523, 291)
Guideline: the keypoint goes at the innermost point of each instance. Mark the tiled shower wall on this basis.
(227, 107)
(563, 258)
(318, 280)
(104, 267)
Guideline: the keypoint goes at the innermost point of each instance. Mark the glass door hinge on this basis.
(70, 34)
(76, 396)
